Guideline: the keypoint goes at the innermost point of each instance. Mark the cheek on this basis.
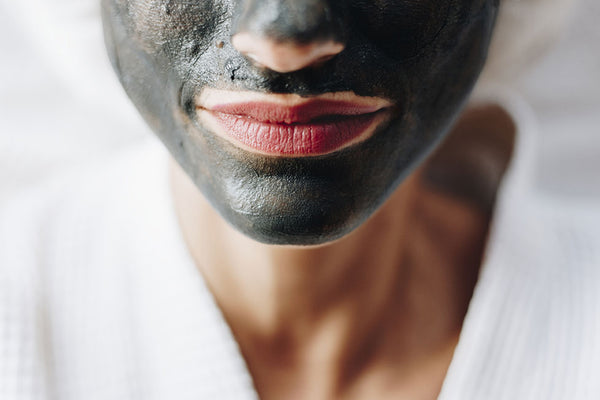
(401, 28)
(172, 26)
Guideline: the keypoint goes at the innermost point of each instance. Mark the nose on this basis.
(287, 35)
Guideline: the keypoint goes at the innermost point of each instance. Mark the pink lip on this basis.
(313, 128)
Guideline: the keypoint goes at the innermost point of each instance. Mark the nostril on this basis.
(285, 56)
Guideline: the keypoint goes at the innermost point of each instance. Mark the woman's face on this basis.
(299, 155)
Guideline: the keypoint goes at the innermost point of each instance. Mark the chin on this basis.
(291, 216)
(292, 230)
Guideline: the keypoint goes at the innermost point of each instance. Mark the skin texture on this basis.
(424, 56)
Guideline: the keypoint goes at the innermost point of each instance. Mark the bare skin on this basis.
(378, 313)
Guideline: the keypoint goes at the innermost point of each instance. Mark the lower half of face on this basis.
(170, 54)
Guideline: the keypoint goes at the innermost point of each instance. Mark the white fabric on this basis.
(100, 300)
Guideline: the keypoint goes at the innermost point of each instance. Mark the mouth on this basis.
(291, 125)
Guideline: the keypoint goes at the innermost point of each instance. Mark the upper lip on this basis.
(290, 108)
(310, 111)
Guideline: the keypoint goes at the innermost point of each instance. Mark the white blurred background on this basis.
(564, 91)
(61, 106)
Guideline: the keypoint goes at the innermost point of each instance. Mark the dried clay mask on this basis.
(413, 62)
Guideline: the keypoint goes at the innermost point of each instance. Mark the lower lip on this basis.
(301, 139)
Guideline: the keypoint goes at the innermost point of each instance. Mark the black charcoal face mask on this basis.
(422, 55)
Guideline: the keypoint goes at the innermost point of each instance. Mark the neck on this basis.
(386, 289)
(289, 286)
